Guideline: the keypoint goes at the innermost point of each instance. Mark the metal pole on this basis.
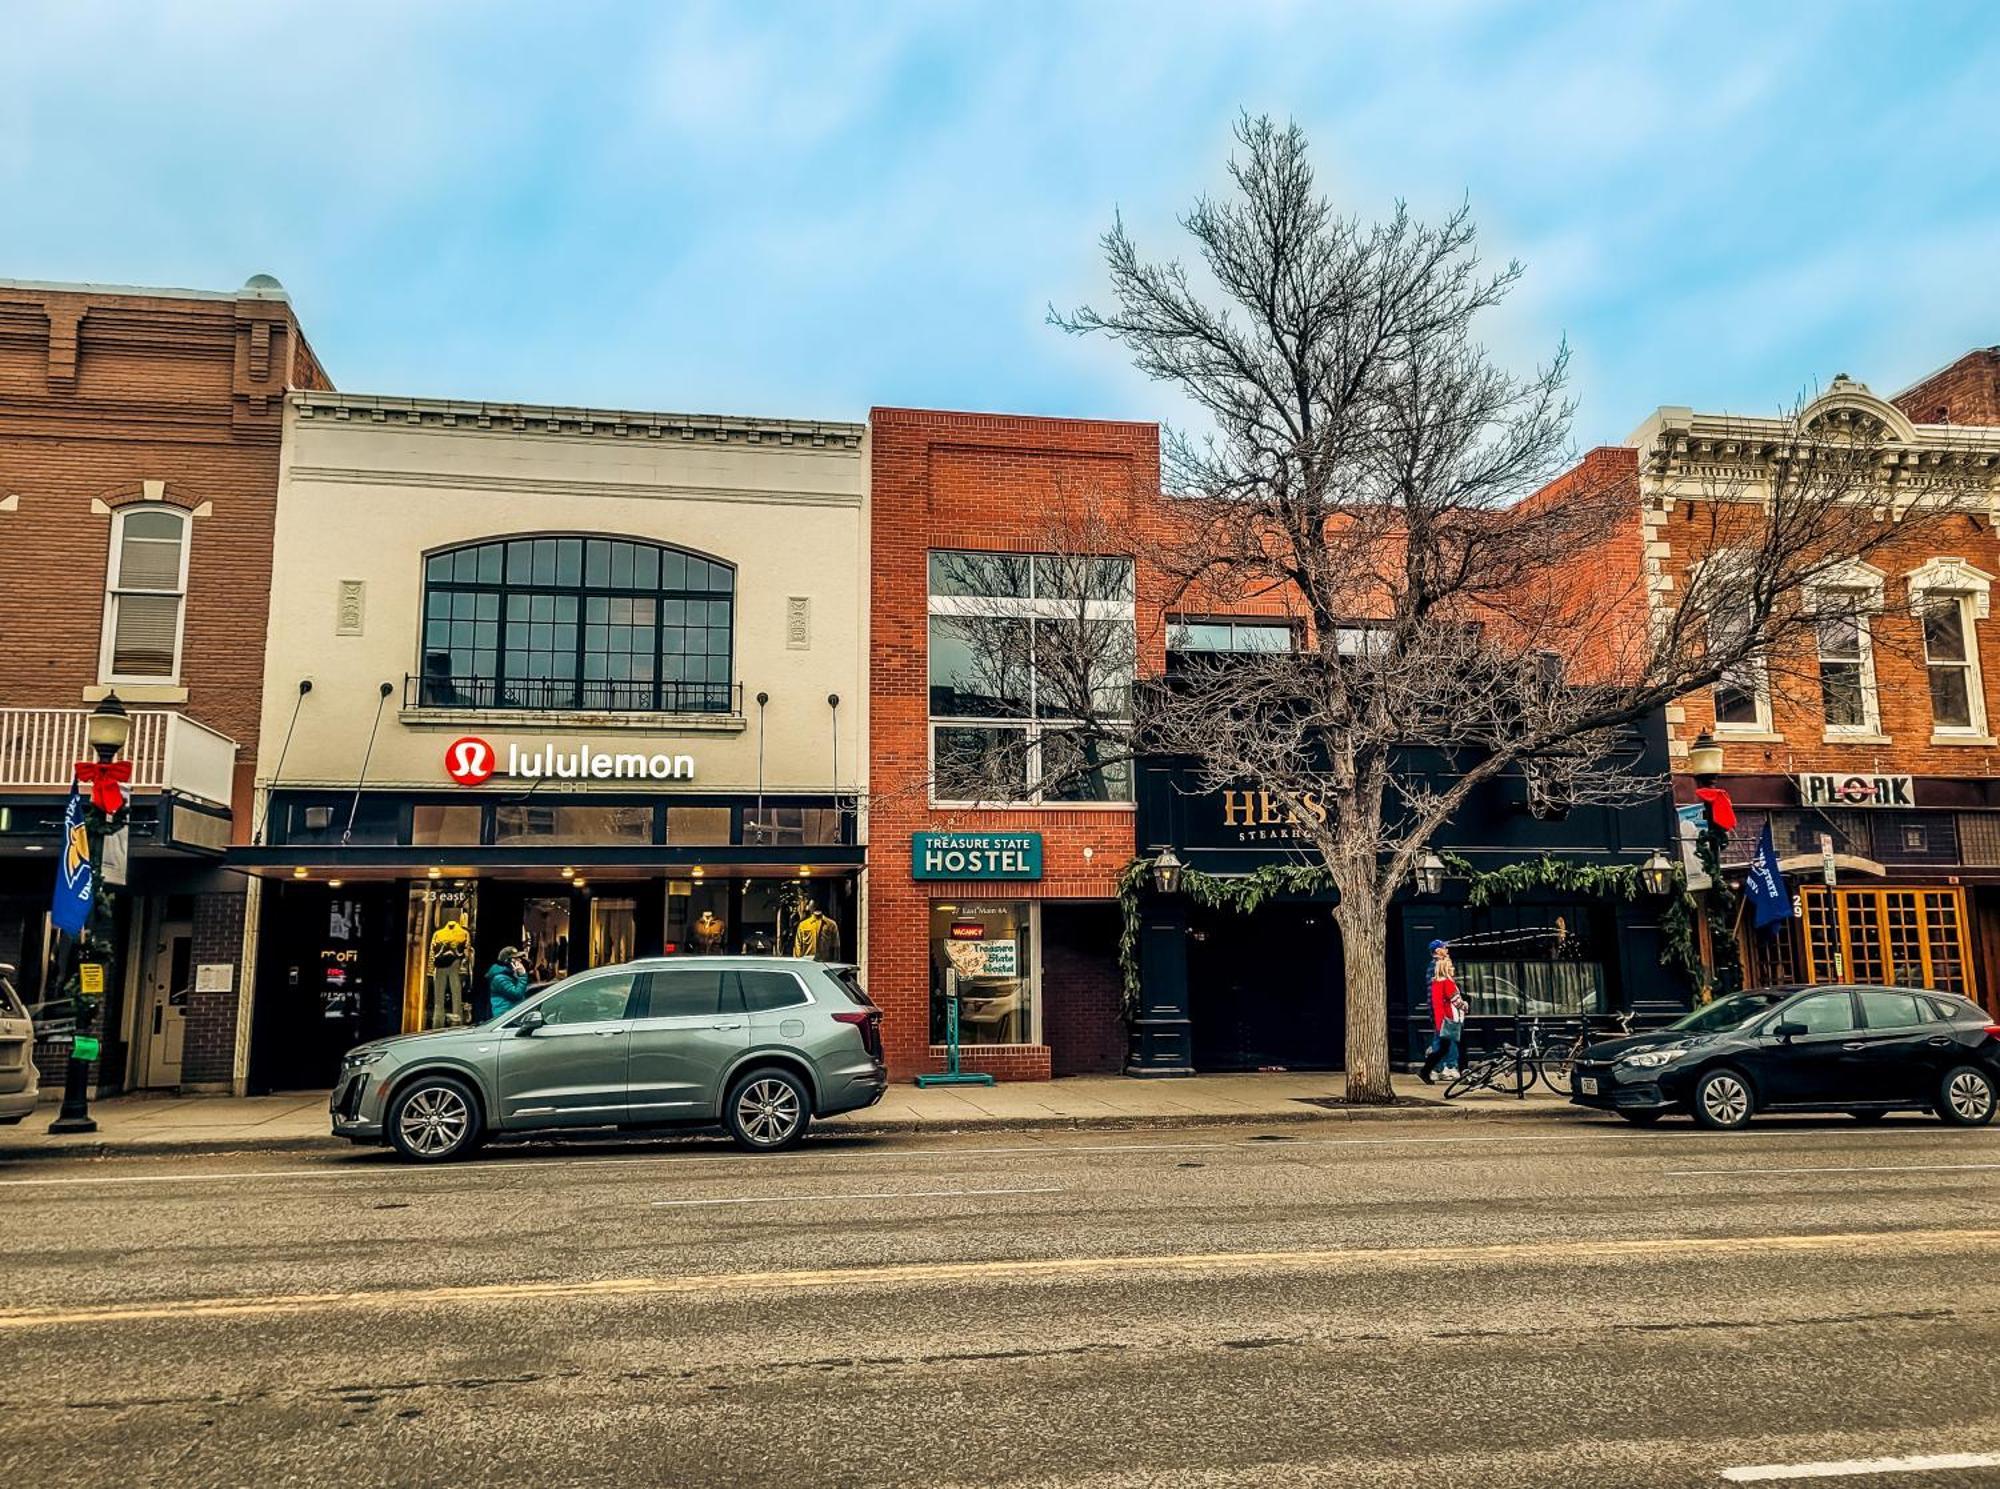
(355, 805)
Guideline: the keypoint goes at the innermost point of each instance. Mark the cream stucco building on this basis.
(586, 684)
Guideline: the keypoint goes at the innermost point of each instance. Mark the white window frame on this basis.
(1008, 607)
(1972, 589)
(1864, 581)
(114, 589)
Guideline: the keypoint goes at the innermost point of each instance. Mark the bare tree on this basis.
(1369, 469)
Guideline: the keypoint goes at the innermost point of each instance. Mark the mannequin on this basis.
(450, 945)
(818, 936)
(707, 933)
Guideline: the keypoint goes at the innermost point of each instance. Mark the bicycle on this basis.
(1507, 1070)
(1556, 1065)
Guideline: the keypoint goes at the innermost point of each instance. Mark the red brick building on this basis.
(1035, 955)
(139, 442)
(1878, 731)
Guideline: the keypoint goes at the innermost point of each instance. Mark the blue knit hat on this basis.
(1439, 945)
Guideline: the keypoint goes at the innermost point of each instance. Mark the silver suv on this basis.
(761, 1045)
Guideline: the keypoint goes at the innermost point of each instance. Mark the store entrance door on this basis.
(169, 977)
(1266, 991)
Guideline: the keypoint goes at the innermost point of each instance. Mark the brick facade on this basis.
(109, 397)
(983, 481)
(1966, 392)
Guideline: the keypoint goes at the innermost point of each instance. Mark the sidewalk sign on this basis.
(953, 1076)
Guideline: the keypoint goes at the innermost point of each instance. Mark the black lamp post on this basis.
(108, 729)
(1704, 763)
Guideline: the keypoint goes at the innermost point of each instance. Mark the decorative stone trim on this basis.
(445, 414)
(1951, 576)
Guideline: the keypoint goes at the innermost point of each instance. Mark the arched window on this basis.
(577, 623)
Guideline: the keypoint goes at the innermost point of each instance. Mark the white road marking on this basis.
(791, 1199)
(1766, 1473)
(1868, 1168)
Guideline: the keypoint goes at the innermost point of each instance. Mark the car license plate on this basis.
(1587, 1085)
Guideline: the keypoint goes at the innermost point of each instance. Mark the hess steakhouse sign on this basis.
(471, 761)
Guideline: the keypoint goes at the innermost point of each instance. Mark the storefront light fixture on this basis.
(568, 873)
(1656, 874)
(333, 884)
(1167, 872)
(1704, 757)
(1430, 874)
(698, 871)
(435, 873)
(578, 881)
(805, 871)
(299, 872)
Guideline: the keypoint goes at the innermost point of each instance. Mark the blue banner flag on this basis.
(1765, 884)
(73, 872)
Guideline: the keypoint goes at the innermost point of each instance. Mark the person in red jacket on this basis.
(1447, 1017)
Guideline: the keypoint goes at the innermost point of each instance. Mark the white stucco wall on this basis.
(368, 486)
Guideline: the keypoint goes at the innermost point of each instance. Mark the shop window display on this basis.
(614, 930)
(984, 954)
(438, 981)
(544, 939)
(526, 824)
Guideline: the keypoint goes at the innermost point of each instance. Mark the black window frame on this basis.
(476, 686)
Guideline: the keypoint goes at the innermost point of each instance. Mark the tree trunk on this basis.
(1364, 945)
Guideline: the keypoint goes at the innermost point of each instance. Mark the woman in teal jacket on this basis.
(506, 981)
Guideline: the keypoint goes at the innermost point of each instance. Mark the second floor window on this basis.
(145, 595)
(577, 623)
(1952, 659)
(1846, 672)
(1032, 659)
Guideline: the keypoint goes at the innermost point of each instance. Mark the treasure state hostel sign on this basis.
(1834, 790)
(976, 855)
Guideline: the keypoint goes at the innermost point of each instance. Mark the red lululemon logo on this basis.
(469, 761)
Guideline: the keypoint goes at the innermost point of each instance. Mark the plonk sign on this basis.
(976, 855)
(1832, 789)
(472, 761)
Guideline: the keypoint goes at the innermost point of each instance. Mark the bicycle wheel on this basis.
(1515, 1073)
(1557, 1069)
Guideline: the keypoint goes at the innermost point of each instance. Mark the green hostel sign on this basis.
(976, 855)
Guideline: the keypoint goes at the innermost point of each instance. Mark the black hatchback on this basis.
(1864, 1050)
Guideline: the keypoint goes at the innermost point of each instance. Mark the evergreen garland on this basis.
(1248, 892)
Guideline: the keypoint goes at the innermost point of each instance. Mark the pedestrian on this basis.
(506, 981)
(1447, 1016)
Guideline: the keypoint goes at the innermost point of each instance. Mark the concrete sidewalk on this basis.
(297, 1122)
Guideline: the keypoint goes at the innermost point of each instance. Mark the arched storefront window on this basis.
(577, 623)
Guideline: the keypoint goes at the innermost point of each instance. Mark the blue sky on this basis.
(807, 209)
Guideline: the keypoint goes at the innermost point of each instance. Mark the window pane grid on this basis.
(588, 623)
(1885, 937)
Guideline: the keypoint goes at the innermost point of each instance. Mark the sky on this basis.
(804, 210)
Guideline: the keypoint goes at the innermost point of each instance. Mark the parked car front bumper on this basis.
(1624, 1088)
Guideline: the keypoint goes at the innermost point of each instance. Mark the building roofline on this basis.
(1001, 418)
(1936, 372)
(451, 413)
(143, 291)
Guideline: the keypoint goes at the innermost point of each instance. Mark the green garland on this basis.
(1248, 892)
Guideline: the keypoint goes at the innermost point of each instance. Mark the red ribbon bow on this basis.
(1721, 811)
(107, 783)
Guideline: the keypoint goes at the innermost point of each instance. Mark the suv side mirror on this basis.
(1788, 1030)
(530, 1021)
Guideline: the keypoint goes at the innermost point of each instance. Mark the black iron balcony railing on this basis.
(565, 695)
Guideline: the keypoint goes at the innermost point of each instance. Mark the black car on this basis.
(1865, 1050)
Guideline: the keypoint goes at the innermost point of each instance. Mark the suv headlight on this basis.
(360, 1060)
(1652, 1059)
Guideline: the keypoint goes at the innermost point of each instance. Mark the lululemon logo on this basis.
(469, 761)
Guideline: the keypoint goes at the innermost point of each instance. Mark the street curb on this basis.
(841, 1126)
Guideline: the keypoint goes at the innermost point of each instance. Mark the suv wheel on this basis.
(1722, 1101)
(768, 1110)
(434, 1119)
(1966, 1097)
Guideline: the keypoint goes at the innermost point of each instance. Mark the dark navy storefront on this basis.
(1222, 990)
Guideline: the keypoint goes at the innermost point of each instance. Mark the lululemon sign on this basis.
(469, 761)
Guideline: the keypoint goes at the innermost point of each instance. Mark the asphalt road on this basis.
(1495, 1303)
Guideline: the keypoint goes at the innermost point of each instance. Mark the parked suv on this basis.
(19, 1081)
(759, 1045)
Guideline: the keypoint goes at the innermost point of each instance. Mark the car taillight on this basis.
(864, 1019)
(1994, 1030)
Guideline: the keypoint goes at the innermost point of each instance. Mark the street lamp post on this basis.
(107, 731)
(1430, 874)
(1704, 763)
(1167, 871)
